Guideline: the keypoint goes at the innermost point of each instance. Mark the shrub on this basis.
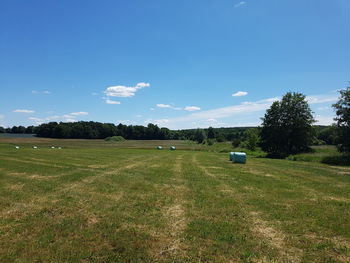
(115, 139)
(341, 159)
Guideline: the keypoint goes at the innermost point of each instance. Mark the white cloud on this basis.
(242, 3)
(323, 108)
(161, 121)
(24, 111)
(41, 92)
(71, 117)
(160, 105)
(143, 85)
(202, 117)
(240, 93)
(124, 91)
(247, 113)
(324, 120)
(108, 101)
(36, 120)
(79, 113)
(191, 108)
(55, 117)
(163, 105)
(324, 98)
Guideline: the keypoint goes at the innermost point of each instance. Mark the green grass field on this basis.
(95, 201)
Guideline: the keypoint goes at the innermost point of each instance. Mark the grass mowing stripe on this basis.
(290, 213)
(216, 220)
(130, 205)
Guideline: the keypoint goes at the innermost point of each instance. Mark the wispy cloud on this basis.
(36, 120)
(161, 105)
(124, 91)
(79, 113)
(187, 108)
(71, 117)
(323, 108)
(245, 108)
(191, 108)
(239, 4)
(244, 114)
(323, 98)
(24, 111)
(324, 120)
(109, 101)
(240, 93)
(41, 92)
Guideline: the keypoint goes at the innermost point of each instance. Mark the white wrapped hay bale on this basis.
(239, 157)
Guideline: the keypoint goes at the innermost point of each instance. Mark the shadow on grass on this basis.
(337, 159)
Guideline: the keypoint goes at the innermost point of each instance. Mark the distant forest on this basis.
(97, 130)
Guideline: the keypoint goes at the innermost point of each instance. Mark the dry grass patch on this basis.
(274, 238)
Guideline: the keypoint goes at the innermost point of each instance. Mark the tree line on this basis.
(97, 130)
(287, 128)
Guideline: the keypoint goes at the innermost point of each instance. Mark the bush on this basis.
(115, 139)
(342, 159)
(210, 142)
(221, 138)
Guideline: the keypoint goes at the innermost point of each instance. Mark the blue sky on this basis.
(179, 64)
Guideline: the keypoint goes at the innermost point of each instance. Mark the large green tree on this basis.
(287, 126)
(342, 108)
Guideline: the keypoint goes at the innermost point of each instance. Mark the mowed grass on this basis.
(110, 204)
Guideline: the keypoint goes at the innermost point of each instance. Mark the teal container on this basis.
(172, 148)
(159, 147)
(231, 156)
(239, 157)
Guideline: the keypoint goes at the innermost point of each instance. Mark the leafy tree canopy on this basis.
(287, 126)
(342, 108)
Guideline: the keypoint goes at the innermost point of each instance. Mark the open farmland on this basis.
(101, 202)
